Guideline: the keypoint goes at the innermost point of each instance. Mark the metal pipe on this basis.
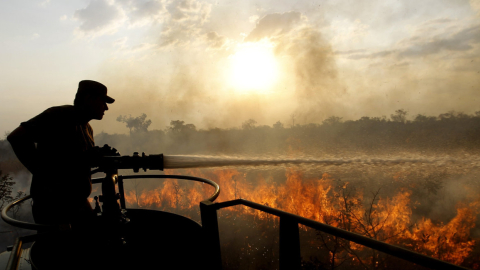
(121, 191)
(184, 177)
(290, 258)
(395, 251)
(211, 237)
(109, 197)
(22, 224)
(16, 254)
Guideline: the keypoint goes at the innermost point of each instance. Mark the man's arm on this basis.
(24, 147)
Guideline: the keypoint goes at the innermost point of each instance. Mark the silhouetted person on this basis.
(56, 146)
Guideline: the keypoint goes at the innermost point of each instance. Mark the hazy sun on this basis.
(253, 67)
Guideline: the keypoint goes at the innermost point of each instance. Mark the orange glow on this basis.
(383, 218)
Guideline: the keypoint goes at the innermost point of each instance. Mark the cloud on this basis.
(427, 41)
(253, 18)
(460, 41)
(400, 65)
(63, 18)
(44, 3)
(147, 12)
(189, 10)
(184, 23)
(120, 43)
(274, 24)
(179, 22)
(142, 47)
(348, 32)
(98, 18)
(215, 41)
(438, 21)
(475, 4)
(379, 54)
(348, 52)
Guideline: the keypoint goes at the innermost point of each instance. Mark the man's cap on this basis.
(88, 87)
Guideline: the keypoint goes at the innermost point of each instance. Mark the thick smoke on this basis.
(183, 73)
(189, 85)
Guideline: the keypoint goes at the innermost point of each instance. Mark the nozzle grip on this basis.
(135, 162)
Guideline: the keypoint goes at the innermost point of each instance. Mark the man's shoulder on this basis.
(50, 117)
(63, 109)
(64, 112)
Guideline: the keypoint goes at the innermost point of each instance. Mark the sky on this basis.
(219, 63)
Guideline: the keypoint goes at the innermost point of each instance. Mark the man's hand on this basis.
(95, 154)
(106, 151)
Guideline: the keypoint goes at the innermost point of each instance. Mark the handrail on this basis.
(17, 250)
(184, 177)
(396, 251)
(15, 255)
(36, 226)
(23, 224)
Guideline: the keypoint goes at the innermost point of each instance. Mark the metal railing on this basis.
(158, 176)
(17, 247)
(289, 237)
(212, 198)
(16, 250)
(36, 226)
(23, 224)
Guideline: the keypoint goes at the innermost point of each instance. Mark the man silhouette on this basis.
(56, 146)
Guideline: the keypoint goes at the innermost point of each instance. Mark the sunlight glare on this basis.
(253, 67)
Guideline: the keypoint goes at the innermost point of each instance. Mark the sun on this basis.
(253, 68)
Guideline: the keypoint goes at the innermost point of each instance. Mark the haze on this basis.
(219, 63)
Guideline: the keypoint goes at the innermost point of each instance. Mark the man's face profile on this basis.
(95, 106)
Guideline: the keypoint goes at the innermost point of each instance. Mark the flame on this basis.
(450, 242)
(326, 200)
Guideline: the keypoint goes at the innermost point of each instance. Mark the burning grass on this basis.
(389, 213)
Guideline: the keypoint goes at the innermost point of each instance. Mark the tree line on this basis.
(445, 132)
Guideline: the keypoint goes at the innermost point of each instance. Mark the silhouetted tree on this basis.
(332, 120)
(447, 115)
(249, 124)
(17, 206)
(364, 118)
(399, 116)
(179, 126)
(452, 130)
(423, 118)
(462, 115)
(6, 188)
(380, 119)
(135, 124)
(278, 124)
(293, 119)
